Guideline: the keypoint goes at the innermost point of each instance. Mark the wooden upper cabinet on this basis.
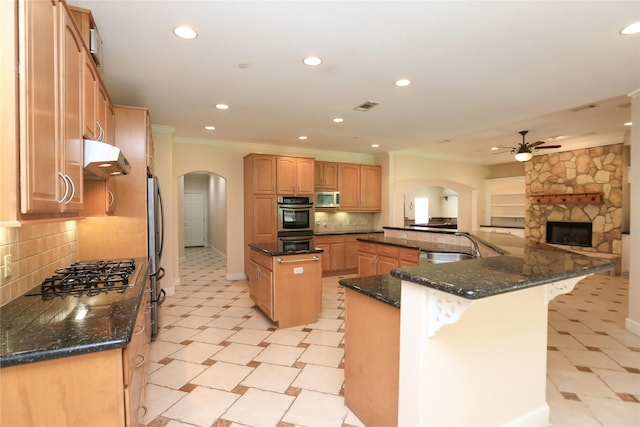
(261, 170)
(89, 90)
(71, 132)
(359, 187)
(349, 186)
(326, 176)
(370, 188)
(51, 165)
(295, 176)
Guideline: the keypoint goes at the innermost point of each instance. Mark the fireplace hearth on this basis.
(569, 233)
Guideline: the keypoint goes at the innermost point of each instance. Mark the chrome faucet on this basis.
(474, 242)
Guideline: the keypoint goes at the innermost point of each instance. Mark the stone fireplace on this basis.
(581, 186)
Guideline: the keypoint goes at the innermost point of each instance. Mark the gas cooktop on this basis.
(89, 278)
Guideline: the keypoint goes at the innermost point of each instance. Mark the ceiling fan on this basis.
(524, 151)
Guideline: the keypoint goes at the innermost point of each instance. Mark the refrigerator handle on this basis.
(161, 208)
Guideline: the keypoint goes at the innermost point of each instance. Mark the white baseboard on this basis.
(632, 326)
(537, 417)
(236, 276)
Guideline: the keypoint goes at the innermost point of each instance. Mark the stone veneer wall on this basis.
(597, 169)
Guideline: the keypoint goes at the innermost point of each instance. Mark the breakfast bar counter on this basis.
(472, 334)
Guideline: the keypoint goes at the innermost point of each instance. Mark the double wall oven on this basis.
(295, 223)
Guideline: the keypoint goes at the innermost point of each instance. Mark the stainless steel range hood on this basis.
(102, 160)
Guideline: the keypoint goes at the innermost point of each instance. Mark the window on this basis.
(422, 210)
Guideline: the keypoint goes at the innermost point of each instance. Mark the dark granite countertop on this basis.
(337, 233)
(384, 288)
(415, 244)
(278, 249)
(34, 329)
(535, 264)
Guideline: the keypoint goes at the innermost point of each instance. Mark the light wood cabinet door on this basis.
(384, 265)
(326, 256)
(350, 252)
(304, 177)
(89, 110)
(71, 131)
(349, 186)
(286, 175)
(295, 176)
(40, 183)
(326, 176)
(264, 174)
(370, 188)
(264, 218)
(366, 264)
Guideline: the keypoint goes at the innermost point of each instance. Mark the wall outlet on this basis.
(8, 266)
(298, 270)
(441, 240)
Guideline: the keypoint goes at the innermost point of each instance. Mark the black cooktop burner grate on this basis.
(88, 278)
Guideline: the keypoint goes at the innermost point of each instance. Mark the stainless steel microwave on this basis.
(328, 199)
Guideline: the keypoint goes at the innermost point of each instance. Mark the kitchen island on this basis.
(285, 282)
(76, 361)
(472, 334)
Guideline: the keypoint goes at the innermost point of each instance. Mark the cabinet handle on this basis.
(144, 412)
(112, 198)
(282, 261)
(66, 187)
(139, 330)
(100, 132)
(142, 359)
(73, 190)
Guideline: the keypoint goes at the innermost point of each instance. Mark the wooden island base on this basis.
(372, 352)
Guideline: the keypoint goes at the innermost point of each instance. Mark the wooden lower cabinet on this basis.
(105, 388)
(340, 254)
(371, 373)
(376, 259)
(288, 289)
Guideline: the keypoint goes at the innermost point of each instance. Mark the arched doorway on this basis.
(212, 190)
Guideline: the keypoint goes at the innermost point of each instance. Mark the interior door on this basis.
(194, 219)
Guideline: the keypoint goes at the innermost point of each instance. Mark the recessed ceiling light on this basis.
(338, 120)
(494, 148)
(402, 82)
(628, 124)
(302, 138)
(222, 106)
(375, 145)
(185, 33)
(312, 61)
(210, 127)
(631, 29)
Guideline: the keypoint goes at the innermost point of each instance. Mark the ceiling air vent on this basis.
(366, 106)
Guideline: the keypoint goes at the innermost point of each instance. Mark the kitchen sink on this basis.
(442, 257)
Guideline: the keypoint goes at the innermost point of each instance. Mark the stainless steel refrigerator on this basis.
(156, 243)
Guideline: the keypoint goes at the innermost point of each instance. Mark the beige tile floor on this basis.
(218, 361)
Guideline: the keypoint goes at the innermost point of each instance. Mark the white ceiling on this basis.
(481, 71)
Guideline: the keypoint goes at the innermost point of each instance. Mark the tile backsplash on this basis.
(329, 222)
(36, 251)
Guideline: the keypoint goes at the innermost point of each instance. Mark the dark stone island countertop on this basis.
(337, 233)
(34, 329)
(535, 264)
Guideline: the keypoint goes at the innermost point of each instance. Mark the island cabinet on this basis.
(50, 139)
(295, 176)
(333, 255)
(287, 288)
(104, 388)
(371, 359)
(340, 252)
(376, 259)
(326, 176)
(359, 187)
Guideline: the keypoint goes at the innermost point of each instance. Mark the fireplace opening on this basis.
(569, 233)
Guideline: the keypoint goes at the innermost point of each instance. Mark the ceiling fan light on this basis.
(524, 156)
